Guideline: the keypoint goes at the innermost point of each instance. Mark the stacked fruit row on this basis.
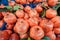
(18, 22)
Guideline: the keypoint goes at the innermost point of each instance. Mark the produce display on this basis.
(30, 20)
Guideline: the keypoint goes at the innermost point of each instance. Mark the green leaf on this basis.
(45, 38)
(8, 7)
(16, 7)
(43, 5)
(29, 38)
(56, 7)
(58, 0)
(24, 39)
(3, 9)
(43, 13)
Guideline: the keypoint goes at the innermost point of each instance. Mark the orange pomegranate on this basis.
(50, 13)
(52, 2)
(33, 13)
(9, 26)
(57, 30)
(11, 3)
(38, 8)
(19, 13)
(2, 6)
(36, 32)
(56, 21)
(21, 26)
(4, 35)
(5, 13)
(46, 25)
(10, 18)
(9, 31)
(14, 36)
(26, 16)
(17, 1)
(51, 35)
(33, 21)
(27, 9)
